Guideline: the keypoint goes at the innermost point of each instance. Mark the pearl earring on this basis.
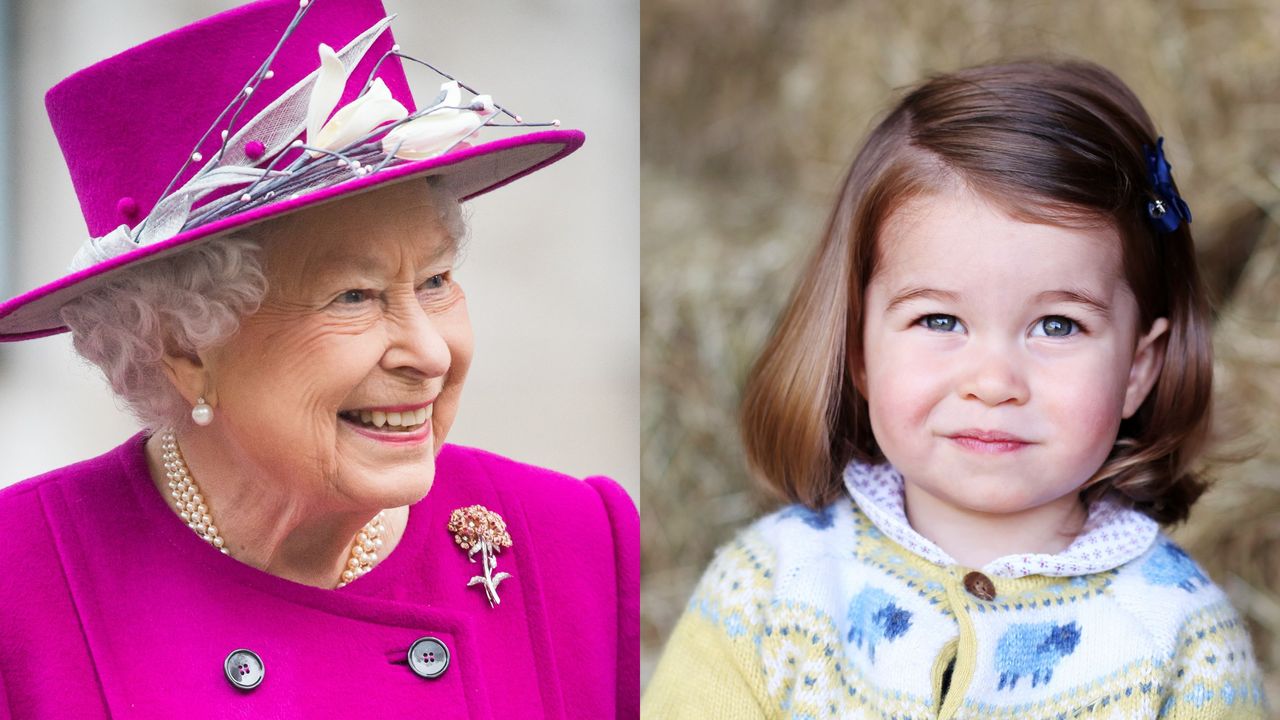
(202, 413)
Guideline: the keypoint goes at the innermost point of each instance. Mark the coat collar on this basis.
(1113, 534)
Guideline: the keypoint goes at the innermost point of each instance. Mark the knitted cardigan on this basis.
(829, 614)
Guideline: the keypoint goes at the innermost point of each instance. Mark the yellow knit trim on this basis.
(966, 655)
(878, 550)
(940, 669)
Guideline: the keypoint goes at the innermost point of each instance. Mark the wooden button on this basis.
(980, 586)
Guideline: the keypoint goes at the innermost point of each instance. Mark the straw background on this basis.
(751, 111)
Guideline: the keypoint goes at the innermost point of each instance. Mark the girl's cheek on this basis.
(904, 386)
(1085, 399)
(1089, 428)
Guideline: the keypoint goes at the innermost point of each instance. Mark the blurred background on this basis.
(751, 112)
(551, 274)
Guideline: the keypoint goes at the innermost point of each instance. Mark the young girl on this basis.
(986, 393)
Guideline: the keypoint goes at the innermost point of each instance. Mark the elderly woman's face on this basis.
(362, 323)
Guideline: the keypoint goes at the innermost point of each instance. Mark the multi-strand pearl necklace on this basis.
(192, 508)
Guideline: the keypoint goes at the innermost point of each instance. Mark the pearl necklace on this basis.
(192, 508)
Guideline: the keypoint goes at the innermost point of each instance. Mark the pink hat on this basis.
(226, 122)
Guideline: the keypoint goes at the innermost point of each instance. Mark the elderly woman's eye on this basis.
(1056, 326)
(941, 323)
(353, 297)
(435, 282)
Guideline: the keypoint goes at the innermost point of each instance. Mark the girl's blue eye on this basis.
(1056, 326)
(941, 323)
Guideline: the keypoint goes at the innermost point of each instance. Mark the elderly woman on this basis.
(273, 297)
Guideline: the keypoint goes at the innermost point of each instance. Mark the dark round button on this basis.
(244, 669)
(980, 586)
(428, 657)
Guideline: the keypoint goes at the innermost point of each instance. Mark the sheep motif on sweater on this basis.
(1171, 565)
(847, 612)
(1037, 648)
(875, 618)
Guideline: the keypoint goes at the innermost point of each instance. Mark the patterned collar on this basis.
(1112, 535)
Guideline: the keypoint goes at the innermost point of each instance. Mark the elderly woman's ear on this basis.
(186, 370)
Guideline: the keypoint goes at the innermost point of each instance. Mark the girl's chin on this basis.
(1010, 505)
(987, 496)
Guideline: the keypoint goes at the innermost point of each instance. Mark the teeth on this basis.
(407, 419)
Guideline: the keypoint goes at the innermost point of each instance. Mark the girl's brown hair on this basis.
(1049, 142)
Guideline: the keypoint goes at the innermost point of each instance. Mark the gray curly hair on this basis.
(183, 303)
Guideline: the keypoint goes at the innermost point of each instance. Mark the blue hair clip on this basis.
(1167, 211)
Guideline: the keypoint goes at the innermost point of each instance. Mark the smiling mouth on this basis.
(392, 422)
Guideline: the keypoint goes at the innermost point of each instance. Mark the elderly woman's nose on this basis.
(416, 342)
(993, 374)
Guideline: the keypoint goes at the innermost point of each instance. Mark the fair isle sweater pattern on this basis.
(832, 617)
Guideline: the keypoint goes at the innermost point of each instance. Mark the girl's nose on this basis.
(993, 375)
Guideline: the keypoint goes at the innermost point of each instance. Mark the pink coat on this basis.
(111, 607)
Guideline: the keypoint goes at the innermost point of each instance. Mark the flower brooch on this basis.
(1167, 211)
(477, 529)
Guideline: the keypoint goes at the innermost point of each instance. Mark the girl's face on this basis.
(1000, 356)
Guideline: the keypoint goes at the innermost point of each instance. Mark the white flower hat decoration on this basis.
(252, 114)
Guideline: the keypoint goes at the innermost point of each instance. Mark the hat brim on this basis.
(465, 173)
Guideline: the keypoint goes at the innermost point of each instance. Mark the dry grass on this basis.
(751, 111)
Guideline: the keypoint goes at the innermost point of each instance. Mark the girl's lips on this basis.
(991, 443)
(397, 437)
(988, 435)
